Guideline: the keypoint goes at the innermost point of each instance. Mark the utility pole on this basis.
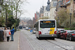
(6, 17)
(16, 10)
(6, 14)
(70, 20)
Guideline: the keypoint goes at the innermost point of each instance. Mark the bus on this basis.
(45, 28)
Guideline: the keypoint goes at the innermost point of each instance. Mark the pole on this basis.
(16, 11)
(70, 21)
(6, 16)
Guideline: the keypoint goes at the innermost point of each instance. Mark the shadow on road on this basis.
(47, 38)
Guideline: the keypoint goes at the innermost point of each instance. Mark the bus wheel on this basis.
(53, 38)
(38, 38)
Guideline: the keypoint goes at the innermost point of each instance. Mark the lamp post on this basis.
(6, 15)
(70, 20)
(58, 21)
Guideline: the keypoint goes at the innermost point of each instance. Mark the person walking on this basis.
(12, 33)
(7, 34)
(5, 37)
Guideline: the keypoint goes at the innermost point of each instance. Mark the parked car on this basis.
(64, 34)
(27, 28)
(59, 32)
(71, 36)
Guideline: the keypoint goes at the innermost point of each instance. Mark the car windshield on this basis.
(61, 31)
(74, 32)
(70, 32)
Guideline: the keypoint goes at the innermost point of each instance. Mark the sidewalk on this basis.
(11, 45)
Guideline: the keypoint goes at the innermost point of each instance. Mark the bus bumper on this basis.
(52, 36)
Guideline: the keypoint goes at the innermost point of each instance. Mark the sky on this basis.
(30, 8)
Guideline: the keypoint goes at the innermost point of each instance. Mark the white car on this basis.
(34, 32)
(27, 28)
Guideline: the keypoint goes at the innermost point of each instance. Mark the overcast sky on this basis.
(31, 7)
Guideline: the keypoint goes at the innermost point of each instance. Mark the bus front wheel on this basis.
(53, 38)
(38, 37)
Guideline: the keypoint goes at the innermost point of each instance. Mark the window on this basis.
(54, 3)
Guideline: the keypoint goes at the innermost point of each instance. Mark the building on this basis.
(41, 12)
(59, 4)
(37, 15)
(53, 9)
(34, 20)
(47, 10)
(68, 4)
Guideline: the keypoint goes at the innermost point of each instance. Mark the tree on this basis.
(1, 21)
(7, 10)
(63, 18)
(10, 22)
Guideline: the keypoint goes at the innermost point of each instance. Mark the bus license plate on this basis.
(47, 33)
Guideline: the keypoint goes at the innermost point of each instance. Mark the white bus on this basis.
(45, 28)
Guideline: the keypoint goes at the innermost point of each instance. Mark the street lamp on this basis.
(58, 20)
(70, 20)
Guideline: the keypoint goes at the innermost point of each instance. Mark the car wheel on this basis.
(58, 35)
(66, 38)
(33, 32)
(53, 38)
(70, 39)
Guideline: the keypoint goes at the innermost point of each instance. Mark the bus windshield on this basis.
(47, 24)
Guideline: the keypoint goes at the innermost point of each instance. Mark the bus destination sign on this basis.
(46, 21)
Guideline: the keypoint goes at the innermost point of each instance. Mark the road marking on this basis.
(18, 42)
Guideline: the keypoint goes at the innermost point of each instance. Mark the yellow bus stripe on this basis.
(52, 30)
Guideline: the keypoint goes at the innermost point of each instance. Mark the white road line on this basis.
(18, 42)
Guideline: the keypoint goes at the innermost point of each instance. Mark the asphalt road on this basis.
(29, 41)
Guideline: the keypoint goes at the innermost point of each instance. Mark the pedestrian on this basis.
(7, 34)
(12, 33)
(5, 37)
(1, 34)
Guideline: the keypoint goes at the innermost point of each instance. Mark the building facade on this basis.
(68, 4)
(47, 9)
(53, 9)
(44, 11)
(41, 12)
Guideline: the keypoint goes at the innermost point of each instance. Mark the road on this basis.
(29, 41)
